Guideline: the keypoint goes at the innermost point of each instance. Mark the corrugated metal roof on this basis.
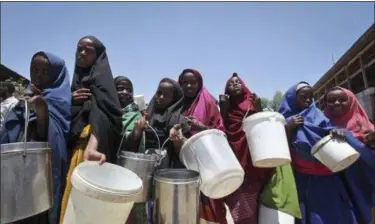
(6, 73)
(361, 43)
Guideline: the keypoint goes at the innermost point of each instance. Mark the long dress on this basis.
(161, 121)
(243, 203)
(323, 195)
(359, 178)
(100, 115)
(203, 107)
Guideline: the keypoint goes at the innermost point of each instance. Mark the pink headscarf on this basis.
(356, 119)
(204, 107)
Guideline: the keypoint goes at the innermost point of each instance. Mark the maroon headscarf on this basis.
(204, 106)
(243, 203)
(233, 123)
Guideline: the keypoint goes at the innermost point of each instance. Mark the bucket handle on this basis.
(119, 147)
(165, 154)
(27, 118)
(123, 136)
(247, 112)
(156, 135)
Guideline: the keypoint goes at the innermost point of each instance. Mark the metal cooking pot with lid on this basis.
(26, 178)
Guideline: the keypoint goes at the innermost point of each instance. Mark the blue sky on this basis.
(271, 45)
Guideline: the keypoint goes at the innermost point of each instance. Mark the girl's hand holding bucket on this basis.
(295, 122)
(195, 124)
(176, 136)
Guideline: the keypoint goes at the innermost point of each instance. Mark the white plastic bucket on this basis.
(140, 101)
(335, 154)
(272, 216)
(101, 194)
(209, 153)
(267, 140)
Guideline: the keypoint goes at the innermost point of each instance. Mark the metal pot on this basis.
(26, 178)
(177, 196)
(142, 165)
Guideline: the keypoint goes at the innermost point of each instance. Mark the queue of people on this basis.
(87, 120)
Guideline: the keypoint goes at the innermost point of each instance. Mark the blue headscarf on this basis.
(58, 98)
(316, 124)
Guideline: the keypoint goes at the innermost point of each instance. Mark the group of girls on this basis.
(87, 119)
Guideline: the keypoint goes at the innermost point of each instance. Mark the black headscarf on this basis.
(102, 111)
(118, 79)
(163, 121)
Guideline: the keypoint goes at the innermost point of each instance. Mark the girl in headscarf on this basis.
(162, 115)
(344, 110)
(323, 196)
(130, 111)
(50, 121)
(96, 112)
(200, 107)
(130, 115)
(236, 104)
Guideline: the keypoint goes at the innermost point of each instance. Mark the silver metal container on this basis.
(177, 196)
(26, 179)
(142, 165)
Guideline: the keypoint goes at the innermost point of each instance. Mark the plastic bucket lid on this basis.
(107, 178)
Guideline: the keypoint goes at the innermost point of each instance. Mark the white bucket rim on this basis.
(348, 161)
(104, 189)
(198, 135)
(315, 149)
(264, 114)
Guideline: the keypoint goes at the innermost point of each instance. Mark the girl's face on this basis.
(235, 87)
(164, 95)
(86, 53)
(124, 92)
(190, 85)
(39, 72)
(304, 98)
(337, 102)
